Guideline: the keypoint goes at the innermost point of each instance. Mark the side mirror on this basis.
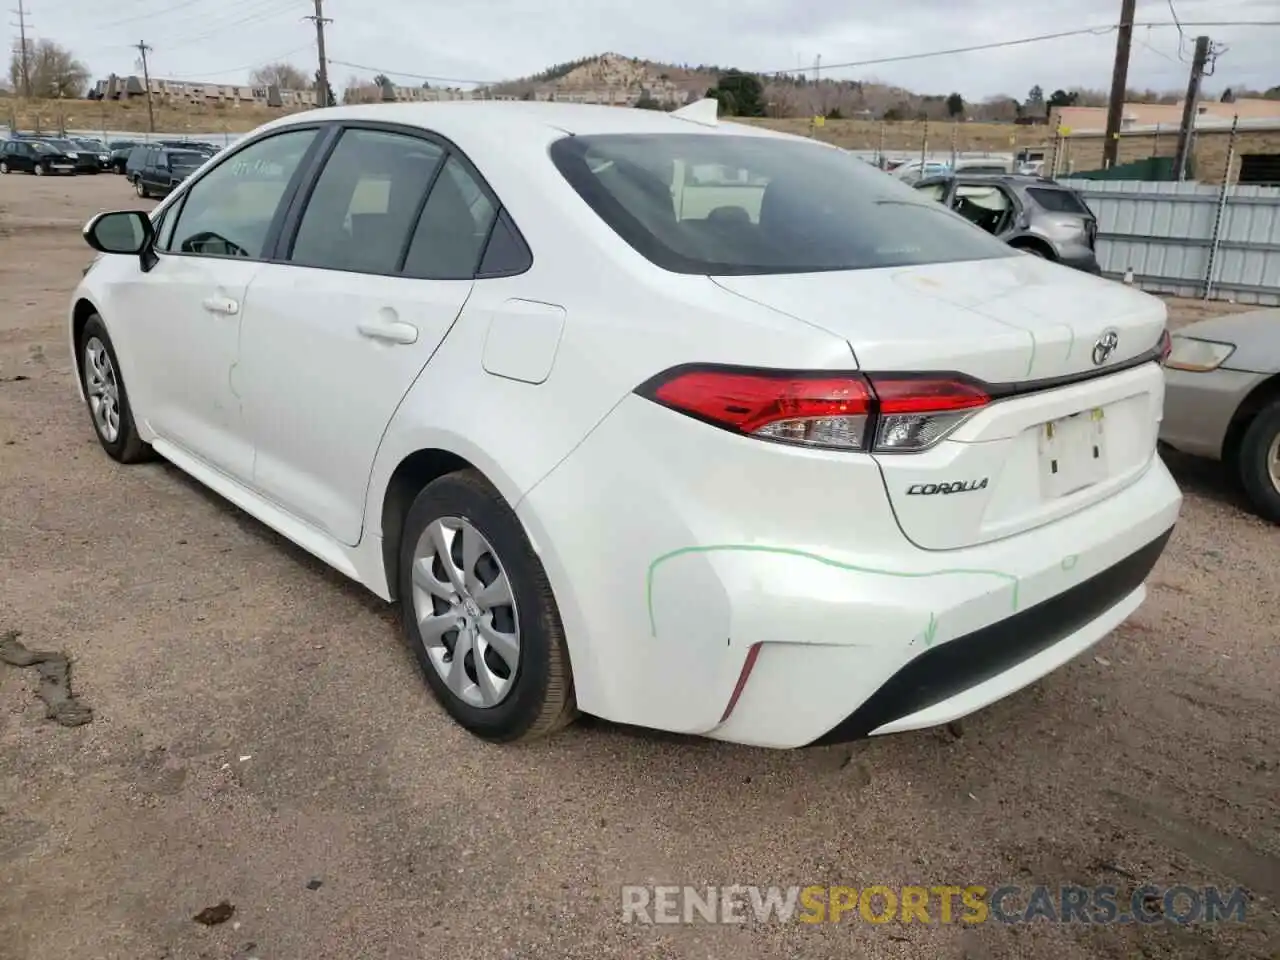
(126, 231)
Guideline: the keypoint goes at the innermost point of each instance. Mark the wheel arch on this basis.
(81, 311)
(1258, 399)
(1029, 242)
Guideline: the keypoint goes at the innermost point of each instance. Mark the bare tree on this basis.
(283, 75)
(54, 71)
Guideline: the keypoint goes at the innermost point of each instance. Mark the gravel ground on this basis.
(261, 737)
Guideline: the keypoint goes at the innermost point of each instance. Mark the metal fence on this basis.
(1189, 239)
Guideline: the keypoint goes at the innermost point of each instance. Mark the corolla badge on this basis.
(1104, 347)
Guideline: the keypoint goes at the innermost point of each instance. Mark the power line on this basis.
(267, 61)
(414, 76)
(1182, 37)
(1098, 31)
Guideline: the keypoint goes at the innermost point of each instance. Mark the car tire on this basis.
(38, 169)
(462, 511)
(4, 169)
(1035, 252)
(142, 190)
(106, 397)
(1258, 461)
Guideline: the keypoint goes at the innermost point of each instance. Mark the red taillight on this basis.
(818, 410)
(1166, 346)
(917, 412)
(847, 411)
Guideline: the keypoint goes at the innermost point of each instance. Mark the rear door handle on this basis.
(389, 331)
(223, 305)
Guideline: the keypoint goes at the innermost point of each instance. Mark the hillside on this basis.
(611, 75)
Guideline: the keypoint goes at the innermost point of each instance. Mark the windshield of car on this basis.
(90, 145)
(725, 205)
(39, 146)
(63, 145)
(1059, 201)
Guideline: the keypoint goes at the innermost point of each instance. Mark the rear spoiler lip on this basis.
(1021, 388)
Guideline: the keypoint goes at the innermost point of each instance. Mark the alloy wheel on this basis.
(103, 389)
(466, 612)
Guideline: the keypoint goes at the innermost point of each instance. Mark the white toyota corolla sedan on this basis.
(682, 424)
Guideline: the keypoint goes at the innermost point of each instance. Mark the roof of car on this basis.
(462, 118)
(1025, 178)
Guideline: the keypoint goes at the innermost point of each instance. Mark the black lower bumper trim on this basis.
(967, 661)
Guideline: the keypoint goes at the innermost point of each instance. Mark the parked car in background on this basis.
(911, 171)
(982, 165)
(164, 169)
(137, 157)
(120, 150)
(1222, 399)
(34, 156)
(95, 148)
(1039, 216)
(510, 375)
(84, 161)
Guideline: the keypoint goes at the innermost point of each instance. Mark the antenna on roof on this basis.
(705, 112)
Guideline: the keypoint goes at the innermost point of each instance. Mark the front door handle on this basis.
(224, 305)
(389, 331)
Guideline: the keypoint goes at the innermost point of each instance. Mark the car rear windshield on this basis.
(1059, 201)
(725, 204)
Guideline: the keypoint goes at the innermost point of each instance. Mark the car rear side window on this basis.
(228, 211)
(362, 209)
(775, 205)
(453, 229)
(1059, 201)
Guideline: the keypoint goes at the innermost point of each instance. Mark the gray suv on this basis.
(1034, 214)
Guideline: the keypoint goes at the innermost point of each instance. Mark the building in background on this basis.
(193, 92)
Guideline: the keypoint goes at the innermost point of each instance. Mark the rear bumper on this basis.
(1198, 408)
(980, 667)
(674, 553)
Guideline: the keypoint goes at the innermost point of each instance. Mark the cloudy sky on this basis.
(483, 40)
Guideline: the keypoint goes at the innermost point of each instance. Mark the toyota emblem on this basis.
(1105, 347)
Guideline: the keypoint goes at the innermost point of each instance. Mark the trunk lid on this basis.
(1042, 450)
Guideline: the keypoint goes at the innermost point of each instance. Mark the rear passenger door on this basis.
(382, 258)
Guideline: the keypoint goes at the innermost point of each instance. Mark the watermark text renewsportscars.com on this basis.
(940, 904)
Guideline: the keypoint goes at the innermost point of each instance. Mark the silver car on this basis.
(1222, 399)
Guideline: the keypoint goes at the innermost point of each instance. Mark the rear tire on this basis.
(141, 187)
(106, 397)
(4, 168)
(1258, 462)
(460, 531)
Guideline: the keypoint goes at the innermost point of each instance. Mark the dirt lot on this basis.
(261, 737)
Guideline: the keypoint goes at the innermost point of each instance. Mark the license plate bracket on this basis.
(1073, 453)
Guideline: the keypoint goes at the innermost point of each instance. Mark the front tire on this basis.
(4, 168)
(479, 613)
(1258, 461)
(38, 169)
(106, 397)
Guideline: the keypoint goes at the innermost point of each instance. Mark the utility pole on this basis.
(1190, 108)
(1119, 80)
(146, 85)
(319, 19)
(24, 52)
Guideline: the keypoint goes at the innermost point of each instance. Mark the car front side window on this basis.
(229, 211)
